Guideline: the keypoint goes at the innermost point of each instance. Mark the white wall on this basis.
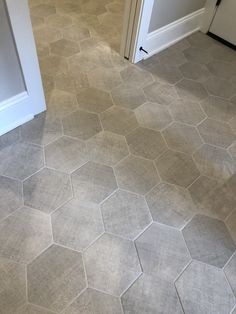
(167, 11)
(11, 79)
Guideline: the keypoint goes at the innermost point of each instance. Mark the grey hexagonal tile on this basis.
(77, 224)
(218, 108)
(153, 116)
(172, 57)
(47, 190)
(223, 53)
(146, 143)
(94, 182)
(165, 73)
(107, 148)
(95, 301)
(68, 8)
(11, 196)
(200, 283)
(125, 214)
(233, 99)
(171, 205)
(214, 161)
(64, 48)
(94, 100)
(58, 21)
(219, 87)
(55, 278)
(111, 264)
(33, 309)
(232, 151)
(231, 225)
(53, 65)
(136, 174)
(221, 69)
(177, 168)
(136, 77)
(197, 55)
(60, 104)
(200, 40)
(81, 124)
(118, 120)
(20, 160)
(232, 124)
(76, 33)
(128, 96)
(151, 295)
(10, 138)
(71, 82)
(91, 7)
(161, 93)
(209, 241)
(66, 154)
(43, 10)
(191, 91)
(105, 79)
(195, 71)
(12, 285)
(186, 111)
(162, 252)
(216, 133)
(41, 130)
(24, 234)
(230, 271)
(182, 137)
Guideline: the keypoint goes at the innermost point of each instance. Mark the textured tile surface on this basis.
(203, 289)
(55, 278)
(111, 264)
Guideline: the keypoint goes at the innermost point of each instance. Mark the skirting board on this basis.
(170, 34)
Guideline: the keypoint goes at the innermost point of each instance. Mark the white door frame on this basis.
(210, 10)
(137, 18)
(24, 106)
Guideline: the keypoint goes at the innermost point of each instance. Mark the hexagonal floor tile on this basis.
(24, 234)
(200, 283)
(33, 309)
(171, 56)
(221, 69)
(118, 120)
(94, 182)
(162, 252)
(182, 137)
(93, 301)
(149, 295)
(165, 73)
(186, 111)
(58, 21)
(161, 93)
(60, 104)
(94, 100)
(232, 124)
(53, 65)
(146, 143)
(177, 168)
(230, 271)
(71, 82)
(219, 87)
(218, 108)
(153, 116)
(68, 8)
(11, 196)
(128, 96)
(214, 161)
(76, 33)
(231, 225)
(55, 278)
(43, 10)
(136, 174)
(66, 154)
(232, 151)
(191, 91)
(195, 71)
(10, 138)
(107, 148)
(197, 55)
(105, 79)
(200, 40)
(91, 7)
(208, 240)
(47, 190)
(20, 160)
(41, 130)
(81, 124)
(45, 35)
(223, 53)
(216, 133)
(136, 77)
(170, 205)
(64, 48)
(77, 224)
(12, 285)
(111, 264)
(125, 214)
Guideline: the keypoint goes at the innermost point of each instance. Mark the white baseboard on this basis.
(14, 112)
(170, 34)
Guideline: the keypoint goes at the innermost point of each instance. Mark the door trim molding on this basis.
(170, 34)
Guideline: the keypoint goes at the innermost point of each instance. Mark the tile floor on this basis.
(121, 198)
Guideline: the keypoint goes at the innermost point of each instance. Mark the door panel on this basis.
(224, 22)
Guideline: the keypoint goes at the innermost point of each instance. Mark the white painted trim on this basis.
(13, 100)
(210, 10)
(172, 33)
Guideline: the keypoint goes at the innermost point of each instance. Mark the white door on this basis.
(21, 91)
(224, 22)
